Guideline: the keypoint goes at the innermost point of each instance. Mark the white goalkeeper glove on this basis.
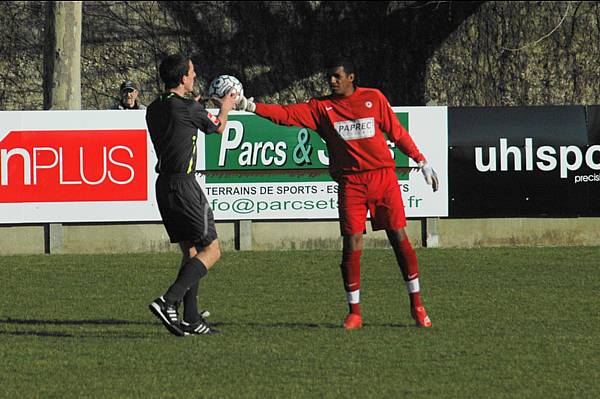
(430, 176)
(245, 104)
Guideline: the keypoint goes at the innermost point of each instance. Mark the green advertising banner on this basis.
(252, 143)
(259, 170)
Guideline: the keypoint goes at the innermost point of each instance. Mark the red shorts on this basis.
(376, 191)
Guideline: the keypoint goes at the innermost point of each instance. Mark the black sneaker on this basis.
(198, 328)
(167, 314)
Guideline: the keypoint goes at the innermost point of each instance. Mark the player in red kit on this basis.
(353, 122)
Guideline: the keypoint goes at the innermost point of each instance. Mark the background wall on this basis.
(417, 53)
(465, 233)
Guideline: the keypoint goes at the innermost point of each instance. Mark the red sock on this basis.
(351, 274)
(409, 266)
(415, 299)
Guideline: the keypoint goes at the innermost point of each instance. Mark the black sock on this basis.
(190, 304)
(189, 274)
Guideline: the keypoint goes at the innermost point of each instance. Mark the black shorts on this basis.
(184, 210)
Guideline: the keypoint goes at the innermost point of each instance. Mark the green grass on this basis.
(507, 323)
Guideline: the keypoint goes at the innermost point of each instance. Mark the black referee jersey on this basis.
(173, 123)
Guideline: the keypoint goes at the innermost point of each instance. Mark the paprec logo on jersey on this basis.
(74, 165)
(356, 129)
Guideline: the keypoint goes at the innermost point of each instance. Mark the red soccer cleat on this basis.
(353, 321)
(420, 316)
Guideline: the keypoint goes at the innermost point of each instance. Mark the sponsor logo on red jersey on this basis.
(73, 166)
(356, 129)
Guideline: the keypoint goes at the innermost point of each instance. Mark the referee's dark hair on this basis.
(173, 68)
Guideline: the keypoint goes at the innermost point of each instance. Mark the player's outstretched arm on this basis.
(430, 176)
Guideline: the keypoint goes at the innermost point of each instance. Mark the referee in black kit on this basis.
(173, 123)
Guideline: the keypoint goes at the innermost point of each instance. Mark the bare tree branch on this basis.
(543, 37)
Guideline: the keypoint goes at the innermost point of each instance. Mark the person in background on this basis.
(129, 97)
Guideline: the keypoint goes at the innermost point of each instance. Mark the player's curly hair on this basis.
(173, 68)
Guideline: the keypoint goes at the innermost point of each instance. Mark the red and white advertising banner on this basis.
(73, 166)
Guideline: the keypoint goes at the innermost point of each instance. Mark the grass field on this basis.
(507, 323)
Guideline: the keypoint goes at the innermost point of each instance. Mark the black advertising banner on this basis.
(593, 183)
(524, 161)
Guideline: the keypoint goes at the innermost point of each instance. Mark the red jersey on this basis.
(352, 127)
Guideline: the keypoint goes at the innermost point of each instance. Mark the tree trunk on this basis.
(62, 55)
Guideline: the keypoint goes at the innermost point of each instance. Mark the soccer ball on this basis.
(221, 85)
